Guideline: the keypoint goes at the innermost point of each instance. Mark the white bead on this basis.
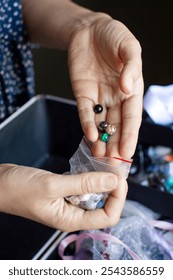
(110, 129)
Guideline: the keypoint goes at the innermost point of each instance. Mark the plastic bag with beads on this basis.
(140, 234)
(83, 161)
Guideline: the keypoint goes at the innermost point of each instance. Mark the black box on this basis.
(44, 133)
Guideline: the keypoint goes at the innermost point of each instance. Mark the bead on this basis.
(104, 137)
(100, 204)
(98, 109)
(102, 125)
(110, 129)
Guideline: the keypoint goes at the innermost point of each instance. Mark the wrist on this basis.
(53, 23)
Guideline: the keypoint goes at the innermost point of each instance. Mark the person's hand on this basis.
(39, 195)
(106, 68)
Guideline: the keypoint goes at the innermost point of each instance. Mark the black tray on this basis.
(44, 133)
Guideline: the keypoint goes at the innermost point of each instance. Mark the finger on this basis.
(117, 199)
(131, 115)
(114, 117)
(92, 182)
(87, 118)
(110, 214)
(132, 69)
(111, 148)
(99, 147)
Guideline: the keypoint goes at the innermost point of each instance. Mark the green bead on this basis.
(104, 137)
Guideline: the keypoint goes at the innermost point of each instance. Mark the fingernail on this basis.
(110, 182)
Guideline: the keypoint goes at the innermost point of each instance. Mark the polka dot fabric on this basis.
(16, 64)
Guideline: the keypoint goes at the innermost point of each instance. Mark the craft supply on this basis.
(102, 125)
(104, 137)
(98, 109)
(83, 161)
(110, 129)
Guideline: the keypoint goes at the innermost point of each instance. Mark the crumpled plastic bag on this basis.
(136, 236)
(83, 161)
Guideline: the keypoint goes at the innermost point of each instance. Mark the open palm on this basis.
(105, 68)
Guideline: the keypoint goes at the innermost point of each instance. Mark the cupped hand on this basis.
(39, 195)
(106, 68)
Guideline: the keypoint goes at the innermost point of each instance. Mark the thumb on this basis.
(132, 69)
(92, 182)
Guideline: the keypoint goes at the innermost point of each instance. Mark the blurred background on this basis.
(153, 27)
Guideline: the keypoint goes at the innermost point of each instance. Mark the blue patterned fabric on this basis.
(16, 64)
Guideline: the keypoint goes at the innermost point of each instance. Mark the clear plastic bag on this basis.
(139, 235)
(142, 238)
(133, 208)
(137, 231)
(83, 161)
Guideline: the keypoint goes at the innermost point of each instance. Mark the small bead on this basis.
(98, 109)
(104, 137)
(110, 129)
(102, 125)
(100, 204)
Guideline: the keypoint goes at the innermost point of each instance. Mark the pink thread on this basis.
(95, 236)
(63, 245)
(161, 224)
(79, 238)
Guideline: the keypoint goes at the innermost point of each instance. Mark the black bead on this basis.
(98, 109)
(102, 125)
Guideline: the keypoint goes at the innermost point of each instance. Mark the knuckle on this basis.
(48, 180)
(87, 183)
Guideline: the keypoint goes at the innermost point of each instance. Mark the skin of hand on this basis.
(39, 195)
(106, 68)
